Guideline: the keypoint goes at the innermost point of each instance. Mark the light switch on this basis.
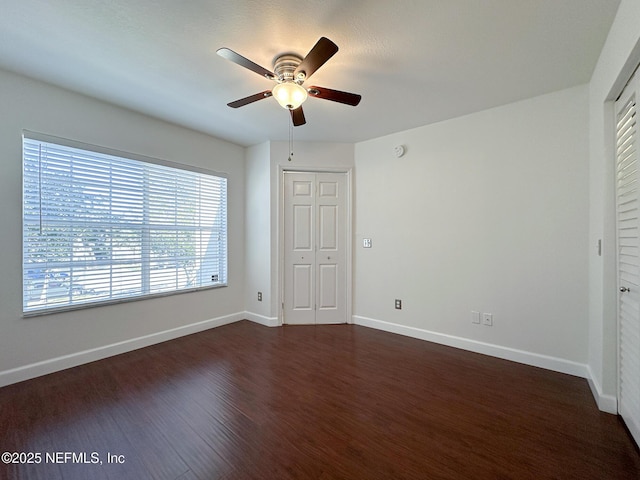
(366, 242)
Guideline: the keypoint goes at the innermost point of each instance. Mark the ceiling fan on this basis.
(290, 71)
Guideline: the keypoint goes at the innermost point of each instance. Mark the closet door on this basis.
(331, 286)
(628, 260)
(299, 248)
(315, 248)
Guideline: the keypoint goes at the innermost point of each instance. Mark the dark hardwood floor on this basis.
(328, 402)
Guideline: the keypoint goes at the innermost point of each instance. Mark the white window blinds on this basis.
(98, 227)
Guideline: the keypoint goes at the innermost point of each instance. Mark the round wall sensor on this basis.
(399, 150)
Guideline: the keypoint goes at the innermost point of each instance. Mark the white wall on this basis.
(618, 59)
(486, 212)
(258, 260)
(37, 345)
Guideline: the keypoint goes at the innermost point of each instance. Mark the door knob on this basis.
(625, 289)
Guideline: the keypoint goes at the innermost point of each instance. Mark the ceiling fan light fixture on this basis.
(289, 95)
(290, 71)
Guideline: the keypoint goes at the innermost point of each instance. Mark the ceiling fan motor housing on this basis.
(284, 67)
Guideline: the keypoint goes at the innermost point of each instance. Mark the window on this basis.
(100, 227)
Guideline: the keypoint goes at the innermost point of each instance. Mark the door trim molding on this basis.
(348, 171)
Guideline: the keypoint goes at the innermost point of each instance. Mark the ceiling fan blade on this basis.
(245, 62)
(297, 117)
(347, 98)
(322, 51)
(250, 99)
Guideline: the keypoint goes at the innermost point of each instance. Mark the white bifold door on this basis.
(628, 260)
(315, 248)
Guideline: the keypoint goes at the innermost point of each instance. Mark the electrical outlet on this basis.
(487, 319)
(475, 317)
(366, 242)
(259, 296)
(398, 304)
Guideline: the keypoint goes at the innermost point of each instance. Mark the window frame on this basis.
(223, 258)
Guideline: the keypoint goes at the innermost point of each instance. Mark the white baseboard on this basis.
(520, 356)
(262, 320)
(26, 372)
(606, 403)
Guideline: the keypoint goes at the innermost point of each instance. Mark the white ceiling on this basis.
(414, 62)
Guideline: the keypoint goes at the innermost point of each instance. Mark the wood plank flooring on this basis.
(319, 402)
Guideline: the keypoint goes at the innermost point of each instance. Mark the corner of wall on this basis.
(262, 319)
(606, 403)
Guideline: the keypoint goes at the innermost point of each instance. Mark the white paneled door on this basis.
(315, 247)
(628, 233)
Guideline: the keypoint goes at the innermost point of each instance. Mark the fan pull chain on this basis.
(290, 122)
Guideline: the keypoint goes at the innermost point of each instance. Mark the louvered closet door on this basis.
(628, 226)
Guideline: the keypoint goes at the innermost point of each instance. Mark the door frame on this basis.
(348, 172)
